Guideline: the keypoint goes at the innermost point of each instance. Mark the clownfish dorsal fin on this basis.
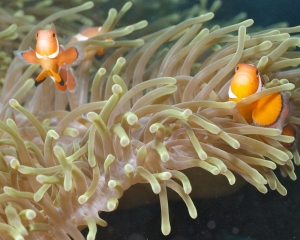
(52, 27)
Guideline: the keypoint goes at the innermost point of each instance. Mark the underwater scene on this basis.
(142, 120)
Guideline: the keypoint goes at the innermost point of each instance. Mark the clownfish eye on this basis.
(237, 68)
(257, 72)
(37, 34)
(53, 35)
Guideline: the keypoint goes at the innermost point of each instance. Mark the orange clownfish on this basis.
(86, 34)
(269, 111)
(54, 61)
(245, 82)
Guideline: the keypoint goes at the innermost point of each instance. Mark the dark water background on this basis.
(247, 214)
(264, 12)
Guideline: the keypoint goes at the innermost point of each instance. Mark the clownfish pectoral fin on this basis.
(68, 76)
(28, 56)
(70, 56)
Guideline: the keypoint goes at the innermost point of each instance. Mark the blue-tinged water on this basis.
(264, 12)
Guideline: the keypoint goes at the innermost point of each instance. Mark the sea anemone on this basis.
(155, 106)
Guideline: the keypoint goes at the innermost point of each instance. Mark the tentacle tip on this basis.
(193, 214)
(156, 190)
(186, 113)
(215, 171)
(91, 116)
(37, 197)
(124, 142)
(236, 145)
(187, 190)
(166, 230)
(132, 119)
(82, 199)
(203, 156)
(30, 214)
(165, 157)
(117, 89)
(13, 103)
(53, 134)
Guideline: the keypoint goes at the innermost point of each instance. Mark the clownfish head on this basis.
(47, 43)
(245, 82)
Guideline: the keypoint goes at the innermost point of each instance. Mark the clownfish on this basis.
(269, 111)
(245, 82)
(86, 34)
(54, 61)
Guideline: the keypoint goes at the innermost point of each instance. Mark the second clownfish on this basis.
(54, 61)
(269, 111)
(86, 34)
